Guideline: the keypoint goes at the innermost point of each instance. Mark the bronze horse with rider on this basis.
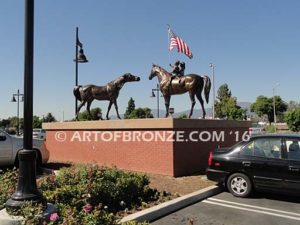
(109, 92)
(192, 83)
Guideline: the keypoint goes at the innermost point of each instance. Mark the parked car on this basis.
(258, 129)
(264, 162)
(39, 133)
(10, 145)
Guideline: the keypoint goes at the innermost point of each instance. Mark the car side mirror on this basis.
(2, 138)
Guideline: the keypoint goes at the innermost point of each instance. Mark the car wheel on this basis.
(239, 185)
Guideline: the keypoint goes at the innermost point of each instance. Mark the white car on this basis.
(256, 130)
(10, 145)
(39, 133)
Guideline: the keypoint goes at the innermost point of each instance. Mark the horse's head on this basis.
(128, 77)
(155, 69)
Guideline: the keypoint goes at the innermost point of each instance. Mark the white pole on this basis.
(274, 107)
(213, 86)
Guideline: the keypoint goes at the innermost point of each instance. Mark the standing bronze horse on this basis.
(109, 92)
(192, 83)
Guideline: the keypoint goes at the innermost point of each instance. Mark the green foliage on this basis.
(99, 190)
(36, 122)
(49, 118)
(140, 113)
(86, 194)
(292, 118)
(183, 116)
(95, 112)
(130, 108)
(293, 105)
(265, 106)
(8, 180)
(226, 105)
(270, 129)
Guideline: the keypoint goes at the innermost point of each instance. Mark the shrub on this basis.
(85, 194)
(8, 180)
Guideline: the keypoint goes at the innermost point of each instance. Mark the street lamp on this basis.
(274, 107)
(157, 97)
(213, 85)
(18, 95)
(79, 58)
(27, 188)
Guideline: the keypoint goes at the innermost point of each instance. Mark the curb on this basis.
(168, 207)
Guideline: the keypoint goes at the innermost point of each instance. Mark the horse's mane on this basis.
(162, 69)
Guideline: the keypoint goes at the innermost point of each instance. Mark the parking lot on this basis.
(224, 209)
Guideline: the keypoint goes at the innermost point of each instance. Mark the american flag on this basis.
(177, 42)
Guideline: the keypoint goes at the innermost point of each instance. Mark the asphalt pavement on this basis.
(224, 209)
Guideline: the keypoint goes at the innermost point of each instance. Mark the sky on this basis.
(254, 45)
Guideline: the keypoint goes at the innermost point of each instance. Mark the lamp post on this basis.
(27, 188)
(79, 58)
(212, 66)
(157, 97)
(18, 95)
(274, 107)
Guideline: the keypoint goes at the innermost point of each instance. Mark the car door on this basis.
(292, 180)
(262, 159)
(5, 148)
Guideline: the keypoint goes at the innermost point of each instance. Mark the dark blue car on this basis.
(264, 162)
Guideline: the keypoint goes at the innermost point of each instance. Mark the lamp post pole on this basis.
(213, 85)
(76, 69)
(274, 107)
(27, 188)
(79, 58)
(18, 109)
(157, 97)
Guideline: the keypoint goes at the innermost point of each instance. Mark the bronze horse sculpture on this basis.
(109, 92)
(192, 83)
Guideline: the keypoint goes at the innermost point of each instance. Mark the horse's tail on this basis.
(207, 87)
(76, 92)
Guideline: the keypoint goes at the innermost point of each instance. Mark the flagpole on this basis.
(169, 44)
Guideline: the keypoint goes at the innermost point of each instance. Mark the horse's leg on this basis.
(78, 109)
(88, 109)
(192, 97)
(167, 103)
(108, 109)
(198, 94)
(116, 107)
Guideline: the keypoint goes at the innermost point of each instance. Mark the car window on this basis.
(293, 149)
(263, 147)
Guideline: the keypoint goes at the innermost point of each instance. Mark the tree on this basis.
(95, 112)
(140, 113)
(292, 105)
(292, 118)
(130, 108)
(36, 122)
(265, 106)
(49, 118)
(226, 105)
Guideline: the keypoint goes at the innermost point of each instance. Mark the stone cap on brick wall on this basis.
(161, 123)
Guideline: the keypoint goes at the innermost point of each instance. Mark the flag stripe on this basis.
(177, 42)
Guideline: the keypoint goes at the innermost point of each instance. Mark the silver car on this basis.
(10, 145)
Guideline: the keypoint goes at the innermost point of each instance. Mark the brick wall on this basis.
(171, 147)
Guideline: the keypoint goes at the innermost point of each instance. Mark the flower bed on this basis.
(85, 194)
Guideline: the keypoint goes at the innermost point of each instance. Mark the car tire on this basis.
(239, 185)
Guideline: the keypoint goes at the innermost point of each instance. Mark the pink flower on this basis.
(87, 208)
(54, 217)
